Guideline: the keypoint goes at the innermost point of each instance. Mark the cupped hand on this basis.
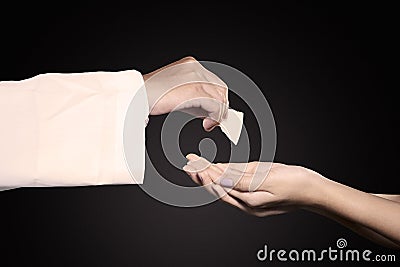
(187, 86)
(259, 188)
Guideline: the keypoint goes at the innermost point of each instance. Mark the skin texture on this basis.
(263, 188)
(285, 188)
(206, 100)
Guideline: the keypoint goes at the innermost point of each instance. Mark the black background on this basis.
(328, 73)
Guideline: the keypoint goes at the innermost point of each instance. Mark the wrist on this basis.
(146, 76)
(311, 192)
(150, 97)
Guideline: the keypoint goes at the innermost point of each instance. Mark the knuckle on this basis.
(241, 184)
(188, 59)
(198, 88)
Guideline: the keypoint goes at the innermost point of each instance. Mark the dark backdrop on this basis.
(328, 73)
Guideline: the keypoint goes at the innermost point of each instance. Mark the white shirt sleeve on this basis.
(67, 129)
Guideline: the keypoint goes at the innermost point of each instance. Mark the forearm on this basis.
(372, 216)
(359, 229)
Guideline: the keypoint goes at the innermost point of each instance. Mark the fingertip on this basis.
(209, 124)
(192, 156)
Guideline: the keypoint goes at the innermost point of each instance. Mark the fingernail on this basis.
(226, 182)
(187, 168)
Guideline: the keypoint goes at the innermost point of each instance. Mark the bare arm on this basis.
(359, 229)
(282, 188)
(372, 216)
